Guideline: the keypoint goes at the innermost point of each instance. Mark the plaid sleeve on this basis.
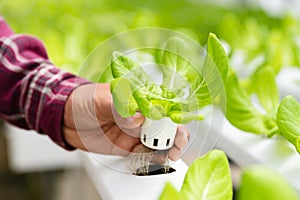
(33, 91)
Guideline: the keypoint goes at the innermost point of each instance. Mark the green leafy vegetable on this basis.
(133, 89)
(288, 120)
(170, 193)
(266, 89)
(123, 100)
(260, 183)
(127, 68)
(213, 74)
(208, 178)
(184, 117)
(217, 54)
(239, 109)
(177, 70)
(243, 112)
(153, 101)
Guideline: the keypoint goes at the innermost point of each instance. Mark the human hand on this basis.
(91, 123)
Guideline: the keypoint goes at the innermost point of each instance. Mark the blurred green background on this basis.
(71, 29)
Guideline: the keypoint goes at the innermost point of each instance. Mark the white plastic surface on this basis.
(288, 81)
(29, 151)
(114, 182)
(158, 134)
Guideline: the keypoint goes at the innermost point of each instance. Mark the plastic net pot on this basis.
(158, 134)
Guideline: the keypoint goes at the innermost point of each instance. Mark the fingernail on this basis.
(138, 118)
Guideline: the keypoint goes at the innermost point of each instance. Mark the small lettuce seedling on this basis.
(133, 89)
(208, 177)
(288, 120)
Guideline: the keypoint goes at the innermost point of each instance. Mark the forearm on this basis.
(33, 91)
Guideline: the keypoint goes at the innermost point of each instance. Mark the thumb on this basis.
(133, 122)
(129, 122)
(81, 105)
(130, 125)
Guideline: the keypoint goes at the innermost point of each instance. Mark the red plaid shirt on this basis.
(33, 91)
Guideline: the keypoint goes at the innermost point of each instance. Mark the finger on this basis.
(131, 122)
(133, 132)
(130, 125)
(124, 144)
(182, 137)
(134, 121)
(174, 153)
(137, 119)
(72, 138)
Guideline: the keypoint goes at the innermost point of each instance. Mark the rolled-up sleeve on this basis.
(33, 91)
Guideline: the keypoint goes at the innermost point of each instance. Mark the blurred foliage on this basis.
(262, 43)
(71, 29)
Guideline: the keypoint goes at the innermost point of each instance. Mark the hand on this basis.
(91, 123)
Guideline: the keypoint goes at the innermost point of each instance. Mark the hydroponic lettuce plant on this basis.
(264, 115)
(133, 89)
(256, 115)
(207, 178)
(288, 120)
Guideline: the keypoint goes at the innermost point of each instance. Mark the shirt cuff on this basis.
(52, 115)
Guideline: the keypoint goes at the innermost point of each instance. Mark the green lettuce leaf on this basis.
(260, 183)
(208, 178)
(170, 193)
(124, 102)
(184, 117)
(288, 120)
(123, 66)
(177, 70)
(264, 85)
(218, 55)
(239, 109)
(147, 108)
(200, 95)
(213, 74)
(132, 89)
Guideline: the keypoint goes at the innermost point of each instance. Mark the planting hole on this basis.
(147, 162)
(154, 170)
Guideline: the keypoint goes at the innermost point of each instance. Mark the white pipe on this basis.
(113, 181)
